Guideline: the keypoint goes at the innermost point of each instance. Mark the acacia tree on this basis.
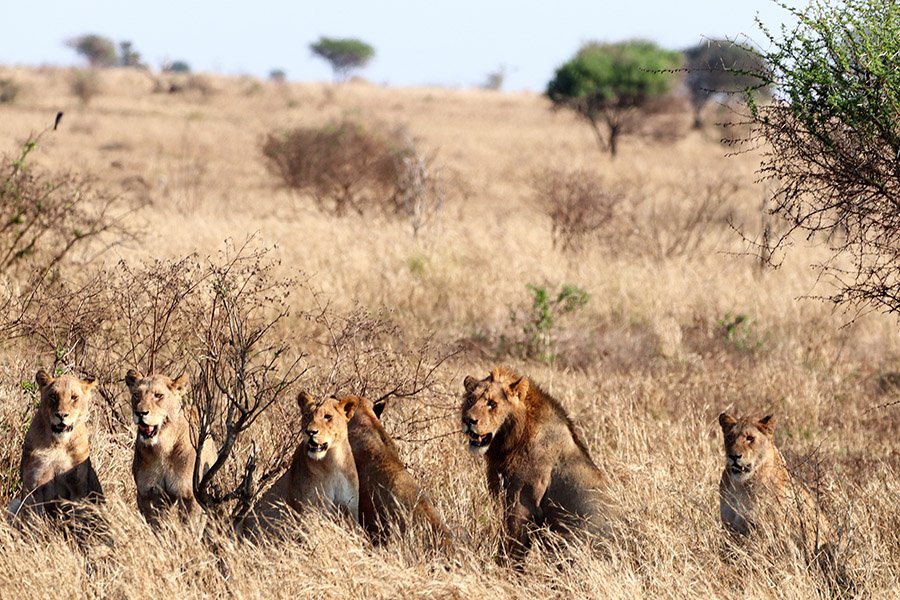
(610, 85)
(832, 136)
(721, 67)
(344, 54)
(98, 50)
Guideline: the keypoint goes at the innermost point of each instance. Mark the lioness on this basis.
(164, 455)
(537, 466)
(756, 491)
(389, 498)
(322, 471)
(56, 462)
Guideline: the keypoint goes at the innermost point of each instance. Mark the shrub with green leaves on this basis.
(610, 85)
(99, 51)
(832, 142)
(539, 324)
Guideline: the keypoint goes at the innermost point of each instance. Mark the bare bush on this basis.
(85, 85)
(44, 220)
(578, 203)
(686, 217)
(347, 167)
(9, 90)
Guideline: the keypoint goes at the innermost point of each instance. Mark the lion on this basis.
(537, 466)
(164, 455)
(322, 472)
(389, 498)
(756, 491)
(56, 463)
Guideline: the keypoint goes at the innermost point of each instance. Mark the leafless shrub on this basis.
(348, 167)
(9, 90)
(244, 368)
(85, 85)
(685, 218)
(369, 355)
(44, 219)
(578, 203)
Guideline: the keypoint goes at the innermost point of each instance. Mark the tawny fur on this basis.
(315, 480)
(57, 465)
(537, 467)
(389, 497)
(756, 492)
(163, 466)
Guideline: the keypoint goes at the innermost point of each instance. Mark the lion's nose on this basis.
(734, 456)
(470, 421)
(312, 431)
(142, 413)
(62, 415)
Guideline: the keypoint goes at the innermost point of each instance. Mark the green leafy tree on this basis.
(344, 55)
(128, 56)
(717, 68)
(610, 85)
(98, 50)
(832, 139)
(177, 66)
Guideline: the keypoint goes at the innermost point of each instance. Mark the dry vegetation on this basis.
(679, 324)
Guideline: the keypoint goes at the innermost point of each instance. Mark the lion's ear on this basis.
(348, 404)
(726, 421)
(179, 386)
(132, 377)
(470, 383)
(767, 424)
(43, 378)
(305, 401)
(519, 389)
(378, 408)
(88, 384)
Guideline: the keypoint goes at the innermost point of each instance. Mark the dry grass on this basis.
(644, 368)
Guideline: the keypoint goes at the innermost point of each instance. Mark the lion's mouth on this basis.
(61, 428)
(148, 432)
(316, 450)
(737, 469)
(479, 441)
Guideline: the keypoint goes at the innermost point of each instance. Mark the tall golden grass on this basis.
(661, 348)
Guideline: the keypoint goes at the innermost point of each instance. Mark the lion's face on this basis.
(486, 406)
(65, 401)
(325, 422)
(749, 443)
(155, 401)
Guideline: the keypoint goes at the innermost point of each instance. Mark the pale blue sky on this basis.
(424, 42)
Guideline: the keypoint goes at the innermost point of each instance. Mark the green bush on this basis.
(344, 55)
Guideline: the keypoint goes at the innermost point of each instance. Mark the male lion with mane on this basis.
(537, 466)
(164, 454)
(56, 462)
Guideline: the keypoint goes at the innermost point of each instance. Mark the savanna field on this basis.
(675, 321)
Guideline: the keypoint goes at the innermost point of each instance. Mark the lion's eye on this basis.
(327, 417)
(491, 404)
(74, 398)
(158, 395)
(750, 439)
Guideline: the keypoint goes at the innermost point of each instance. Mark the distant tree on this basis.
(98, 50)
(278, 75)
(177, 66)
(832, 140)
(495, 79)
(610, 85)
(344, 55)
(720, 67)
(128, 56)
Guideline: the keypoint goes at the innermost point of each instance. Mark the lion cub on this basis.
(756, 491)
(537, 466)
(164, 455)
(56, 462)
(389, 498)
(322, 471)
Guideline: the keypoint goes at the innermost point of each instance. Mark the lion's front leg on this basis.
(523, 513)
